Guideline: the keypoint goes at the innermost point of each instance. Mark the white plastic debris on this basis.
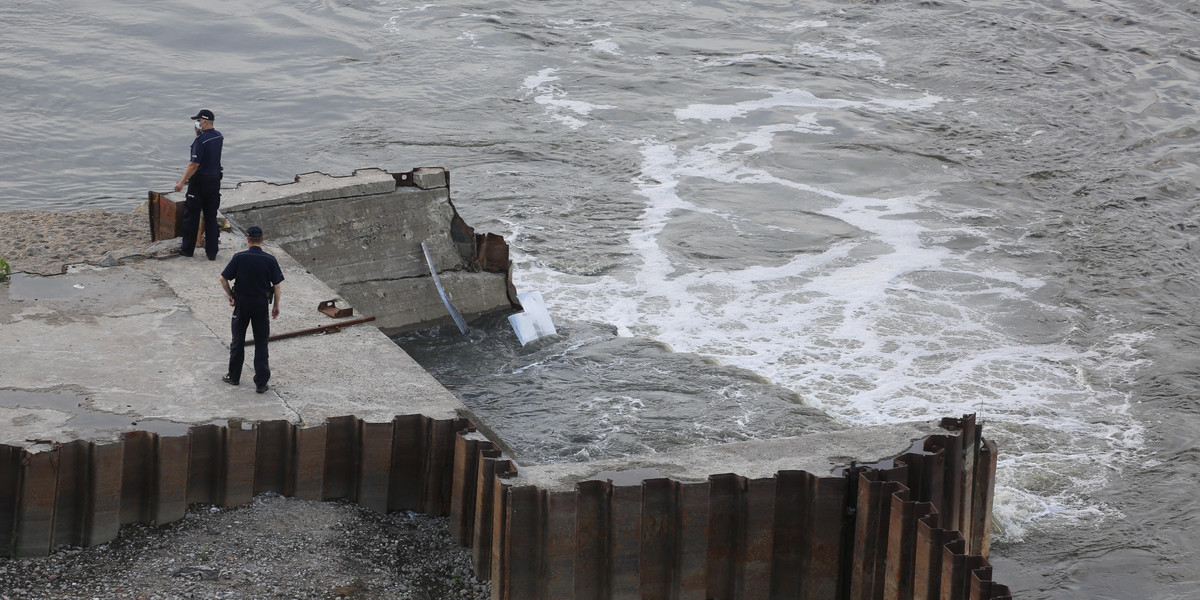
(534, 322)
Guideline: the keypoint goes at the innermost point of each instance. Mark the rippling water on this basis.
(748, 219)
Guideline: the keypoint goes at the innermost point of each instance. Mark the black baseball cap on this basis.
(204, 114)
(254, 232)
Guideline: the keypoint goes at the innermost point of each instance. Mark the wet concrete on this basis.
(821, 453)
(143, 345)
(81, 422)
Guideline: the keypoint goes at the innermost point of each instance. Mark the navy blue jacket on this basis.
(206, 150)
(255, 273)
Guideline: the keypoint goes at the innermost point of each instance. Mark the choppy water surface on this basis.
(835, 214)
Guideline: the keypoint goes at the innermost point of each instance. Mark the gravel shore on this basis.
(275, 547)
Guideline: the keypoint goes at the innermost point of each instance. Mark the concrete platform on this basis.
(99, 351)
(143, 345)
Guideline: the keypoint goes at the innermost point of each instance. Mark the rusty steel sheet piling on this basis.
(917, 530)
(481, 530)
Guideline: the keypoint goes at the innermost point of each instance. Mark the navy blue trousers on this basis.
(203, 201)
(255, 314)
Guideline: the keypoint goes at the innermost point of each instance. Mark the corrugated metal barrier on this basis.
(918, 529)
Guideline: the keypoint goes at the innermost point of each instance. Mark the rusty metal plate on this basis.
(329, 307)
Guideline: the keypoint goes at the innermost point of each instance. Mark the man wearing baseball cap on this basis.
(256, 276)
(203, 179)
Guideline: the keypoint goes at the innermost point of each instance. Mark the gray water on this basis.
(748, 219)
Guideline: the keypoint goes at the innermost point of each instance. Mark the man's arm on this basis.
(229, 291)
(275, 305)
(187, 174)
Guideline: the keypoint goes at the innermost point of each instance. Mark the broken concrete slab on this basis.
(362, 235)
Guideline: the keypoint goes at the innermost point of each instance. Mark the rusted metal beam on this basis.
(660, 538)
(273, 455)
(207, 448)
(592, 556)
(137, 476)
(759, 519)
(306, 473)
(692, 562)
(171, 482)
(103, 522)
(410, 449)
(467, 455)
(341, 455)
(562, 509)
(240, 461)
(70, 503)
(481, 530)
(331, 328)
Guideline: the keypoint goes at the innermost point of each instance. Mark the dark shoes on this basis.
(180, 252)
(260, 388)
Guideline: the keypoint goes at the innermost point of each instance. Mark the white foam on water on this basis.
(785, 98)
(878, 329)
(606, 46)
(402, 7)
(794, 25)
(818, 51)
(777, 98)
(575, 24)
(749, 57)
(555, 101)
(396, 23)
(542, 77)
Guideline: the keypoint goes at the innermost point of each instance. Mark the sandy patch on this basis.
(44, 242)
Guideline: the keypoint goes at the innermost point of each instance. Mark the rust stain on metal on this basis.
(166, 218)
(331, 328)
(329, 307)
(492, 252)
(867, 534)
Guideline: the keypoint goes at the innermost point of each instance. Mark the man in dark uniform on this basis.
(203, 178)
(256, 276)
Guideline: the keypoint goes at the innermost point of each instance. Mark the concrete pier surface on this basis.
(97, 351)
(98, 355)
(142, 346)
(140, 339)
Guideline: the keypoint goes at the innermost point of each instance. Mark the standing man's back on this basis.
(257, 277)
